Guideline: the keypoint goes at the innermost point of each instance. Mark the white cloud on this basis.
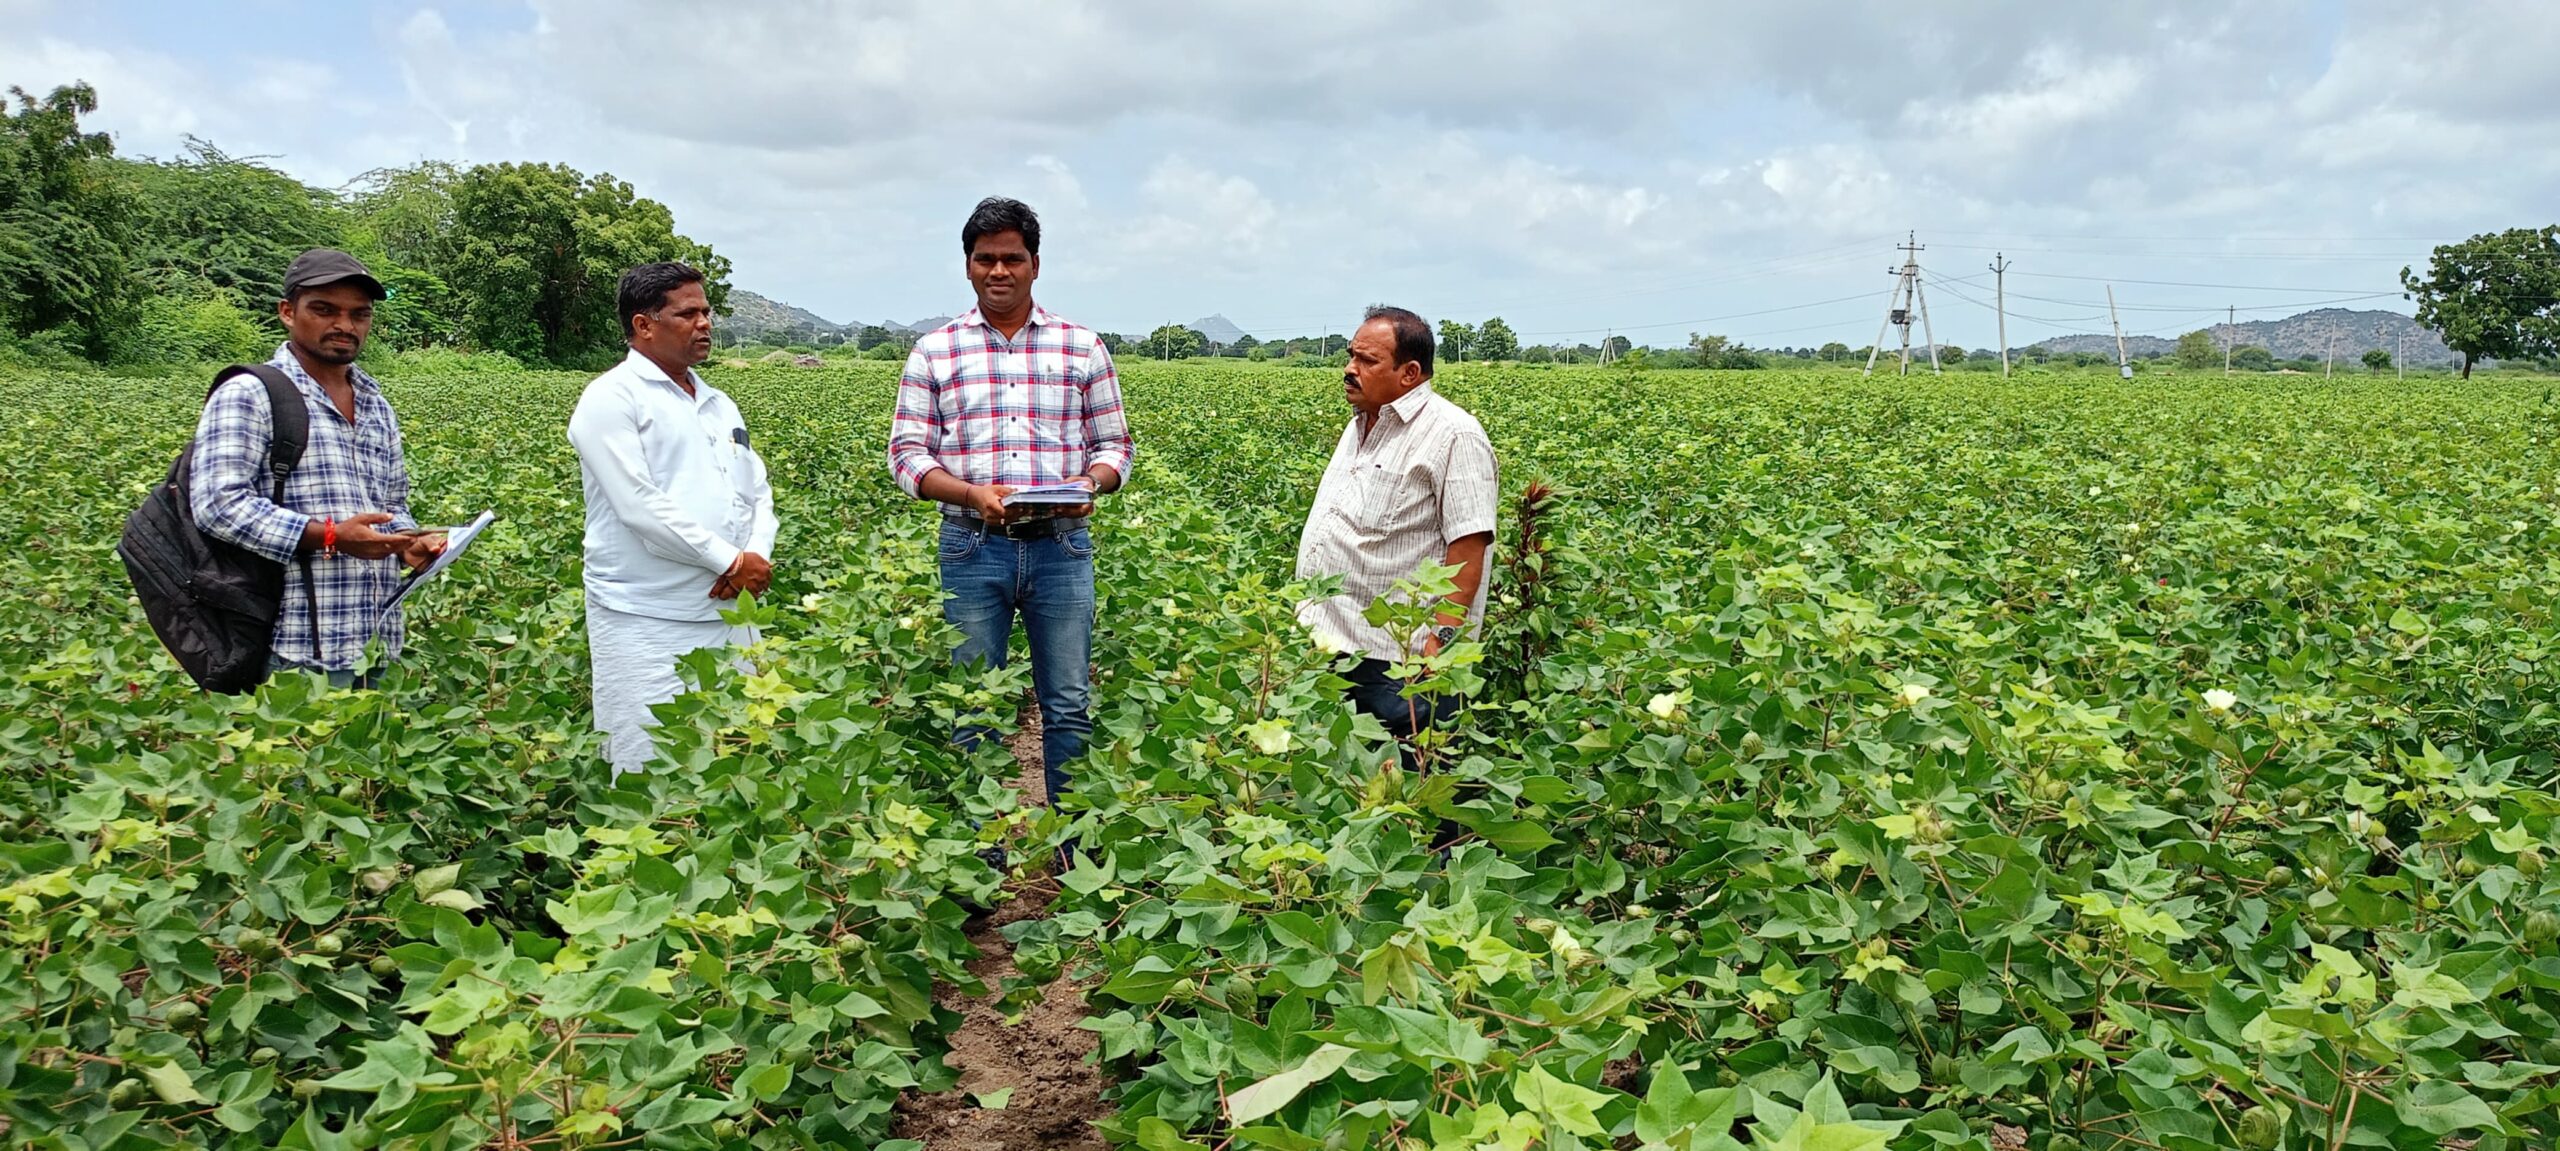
(1574, 163)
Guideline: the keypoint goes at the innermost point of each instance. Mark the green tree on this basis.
(403, 229)
(1951, 354)
(1496, 341)
(1708, 349)
(539, 248)
(1834, 351)
(2196, 349)
(1616, 346)
(208, 220)
(2377, 360)
(2252, 358)
(874, 335)
(1538, 354)
(1244, 346)
(64, 222)
(2493, 296)
(1174, 342)
(1454, 339)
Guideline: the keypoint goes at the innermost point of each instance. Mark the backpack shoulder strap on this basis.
(289, 434)
(292, 418)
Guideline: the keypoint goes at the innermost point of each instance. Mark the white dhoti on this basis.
(634, 660)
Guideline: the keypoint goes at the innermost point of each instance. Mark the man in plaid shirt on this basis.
(1009, 396)
(346, 505)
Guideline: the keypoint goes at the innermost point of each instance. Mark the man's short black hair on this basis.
(646, 288)
(995, 215)
(1413, 336)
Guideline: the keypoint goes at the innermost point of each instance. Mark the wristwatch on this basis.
(1446, 633)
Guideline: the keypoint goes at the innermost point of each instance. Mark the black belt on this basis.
(1034, 529)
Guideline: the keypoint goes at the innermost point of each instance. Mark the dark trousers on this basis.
(1375, 692)
(1381, 695)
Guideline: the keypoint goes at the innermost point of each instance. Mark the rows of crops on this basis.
(1849, 764)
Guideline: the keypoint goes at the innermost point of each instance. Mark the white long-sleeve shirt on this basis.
(674, 491)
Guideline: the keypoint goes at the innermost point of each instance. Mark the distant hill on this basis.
(2313, 333)
(759, 319)
(755, 319)
(1216, 329)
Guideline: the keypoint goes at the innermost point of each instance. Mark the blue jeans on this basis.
(986, 579)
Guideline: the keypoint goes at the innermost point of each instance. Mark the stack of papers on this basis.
(1060, 495)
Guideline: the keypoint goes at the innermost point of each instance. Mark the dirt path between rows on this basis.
(1040, 1056)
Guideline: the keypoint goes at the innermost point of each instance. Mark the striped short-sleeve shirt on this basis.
(1397, 493)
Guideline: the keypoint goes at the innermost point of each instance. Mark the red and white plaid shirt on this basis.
(1036, 409)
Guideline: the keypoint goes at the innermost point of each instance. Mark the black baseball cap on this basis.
(321, 267)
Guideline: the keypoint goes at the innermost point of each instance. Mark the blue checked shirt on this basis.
(347, 469)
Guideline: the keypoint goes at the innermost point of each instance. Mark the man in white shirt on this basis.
(1412, 480)
(679, 509)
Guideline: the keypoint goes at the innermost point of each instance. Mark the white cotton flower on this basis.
(2095, 490)
(1913, 693)
(1327, 642)
(1665, 705)
(2220, 700)
(1270, 737)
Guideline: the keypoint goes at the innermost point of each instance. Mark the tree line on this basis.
(133, 260)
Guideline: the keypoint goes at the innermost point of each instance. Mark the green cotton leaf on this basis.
(1429, 1035)
(1569, 1106)
(169, 1081)
(2407, 622)
(436, 879)
(1155, 1134)
(2512, 839)
(764, 1081)
(2441, 1107)
(1147, 981)
(455, 898)
(2416, 986)
(1810, 1134)
(995, 1100)
(671, 1110)
(92, 808)
(1895, 1070)
(1087, 877)
(1670, 1108)
(394, 1068)
(1824, 1104)
(1274, 1093)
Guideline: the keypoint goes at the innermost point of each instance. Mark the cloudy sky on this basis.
(1648, 168)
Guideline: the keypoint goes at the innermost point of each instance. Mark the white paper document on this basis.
(456, 542)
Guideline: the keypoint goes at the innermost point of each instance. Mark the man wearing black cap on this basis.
(345, 508)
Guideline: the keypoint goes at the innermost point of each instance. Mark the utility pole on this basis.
(2124, 366)
(2000, 296)
(2329, 367)
(2230, 334)
(1904, 300)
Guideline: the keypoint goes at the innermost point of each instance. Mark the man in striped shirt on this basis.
(1006, 397)
(1412, 481)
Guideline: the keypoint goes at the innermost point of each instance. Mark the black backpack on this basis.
(214, 604)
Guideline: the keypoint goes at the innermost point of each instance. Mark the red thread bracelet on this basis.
(328, 536)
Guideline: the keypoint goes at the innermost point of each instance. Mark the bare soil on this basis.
(1041, 1055)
